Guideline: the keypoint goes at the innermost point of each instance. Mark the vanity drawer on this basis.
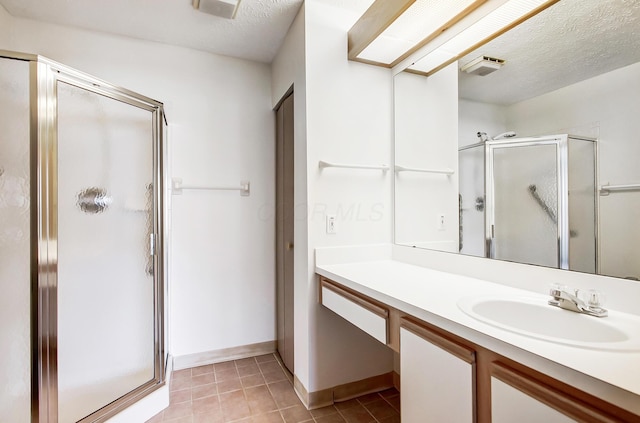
(367, 315)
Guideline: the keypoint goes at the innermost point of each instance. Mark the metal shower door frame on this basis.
(43, 79)
(562, 160)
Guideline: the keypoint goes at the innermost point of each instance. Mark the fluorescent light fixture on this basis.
(486, 29)
(422, 21)
(222, 8)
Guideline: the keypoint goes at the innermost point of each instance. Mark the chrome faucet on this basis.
(563, 299)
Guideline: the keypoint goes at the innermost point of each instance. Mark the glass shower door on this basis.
(15, 207)
(105, 268)
(472, 198)
(523, 196)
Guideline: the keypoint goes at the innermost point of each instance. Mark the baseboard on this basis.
(344, 392)
(301, 391)
(362, 387)
(225, 354)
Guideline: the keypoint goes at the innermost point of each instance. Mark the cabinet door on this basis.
(519, 397)
(436, 377)
(509, 405)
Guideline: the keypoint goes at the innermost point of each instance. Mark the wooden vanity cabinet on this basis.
(446, 378)
(438, 376)
(516, 396)
(518, 393)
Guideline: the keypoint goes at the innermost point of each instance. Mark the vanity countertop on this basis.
(433, 296)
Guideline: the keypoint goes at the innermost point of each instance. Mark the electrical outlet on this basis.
(441, 222)
(331, 224)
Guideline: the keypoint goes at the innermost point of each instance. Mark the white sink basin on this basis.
(533, 317)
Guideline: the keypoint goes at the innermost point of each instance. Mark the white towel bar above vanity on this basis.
(444, 171)
(323, 165)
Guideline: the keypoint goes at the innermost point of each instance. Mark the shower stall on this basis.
(530, 200)
(82, 261)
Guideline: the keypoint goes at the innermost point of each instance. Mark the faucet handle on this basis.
(555, 289)
(593, 298)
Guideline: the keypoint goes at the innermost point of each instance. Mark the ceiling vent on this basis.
(483, 65)
(223, 8)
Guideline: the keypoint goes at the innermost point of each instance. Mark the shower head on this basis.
(483, 136)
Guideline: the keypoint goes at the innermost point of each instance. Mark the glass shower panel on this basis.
(105, 282)
(471, 173)
(15, 396)
(525, 192)
(582, 210)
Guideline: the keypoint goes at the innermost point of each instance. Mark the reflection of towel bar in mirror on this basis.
(444, 171)
(322, 165)
(177, 187)
(607, 189)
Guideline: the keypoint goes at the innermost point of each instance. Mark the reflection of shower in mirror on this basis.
(537, 195)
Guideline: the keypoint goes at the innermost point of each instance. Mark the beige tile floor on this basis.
(258, 390)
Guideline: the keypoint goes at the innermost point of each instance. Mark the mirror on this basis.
(535, 162)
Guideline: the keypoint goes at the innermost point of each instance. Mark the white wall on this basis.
(5, 24)
(606, 107)
(348, 121)
(222, 131)
(426, 137)
(342, 114)
(474, 117)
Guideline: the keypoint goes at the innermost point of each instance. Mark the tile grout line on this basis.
(244, 393)
(280, 410)
(269, 389)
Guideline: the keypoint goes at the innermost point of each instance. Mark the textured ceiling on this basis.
(255, 34)
(571, 41)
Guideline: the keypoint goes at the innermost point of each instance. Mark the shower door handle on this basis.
(489, 243)
(93, 200)
(152, 244)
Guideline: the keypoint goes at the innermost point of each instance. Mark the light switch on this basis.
(331, 224)
(441, 222)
